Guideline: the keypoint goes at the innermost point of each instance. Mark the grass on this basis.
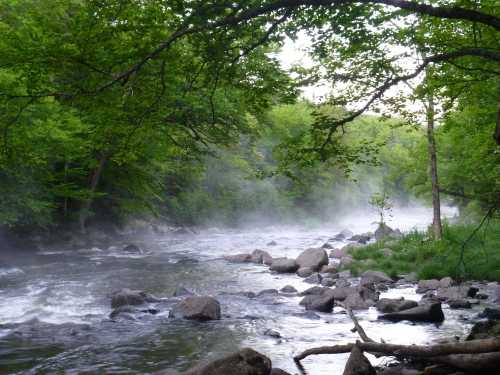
(416, 252)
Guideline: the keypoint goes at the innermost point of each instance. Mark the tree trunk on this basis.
(436, 203)
(94, 181)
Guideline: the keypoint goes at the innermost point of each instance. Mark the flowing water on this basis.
(54, 305)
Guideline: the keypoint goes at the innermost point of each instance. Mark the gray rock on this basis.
(373, 277)
(244, 362)
(313, 258)
(484, 330)
(459, 304)
(329, 268)
(337, 253)
(358, 364)
(384, 231)
(387, 305)
(272, 243)
(278, 371)
(284, 265)
(315, 278)
(131, 248)
(490, 313)
(181, 291)
(315, 290)
(272, 333)
(288, 289)
(261, 257)
(126, 297)
(426, 285)
(304, 272)
(341, 293)
(238, 258)
(323, 302)
(327, 246)
(455, 293)
(446, 282)
(197, 308)
(268, 292)
(328, 281)
(342, 283)
(345, 274)
(430, 312)
(356, 302)
(360, 238)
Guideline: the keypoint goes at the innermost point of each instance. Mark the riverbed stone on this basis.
(329, 268)
(126, 297)
(328, 281)
(428, 312)
(455, 293)
(315, 290)
(373, 277)
(342, 283)
(388, 305)
(323, 302)
(238, 258)
(245, 362)
(197, 308)
(304, 272)
(459, 304)
(446, 282)
(426, 285)
(341, 294)
(358, 364)
(132, 248)
(315, 278)
(355, 301)
(313, 258)
(261, 257)
(284, 265)
(288, 289)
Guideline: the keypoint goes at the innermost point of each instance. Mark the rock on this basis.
(131, 248)
(490, 313)
(327, 246)
(268, 292)
(426, 285)
(354, 301)
(328, 281)
(129, 312)
(358, 364)
(278, 371)
(346, 233)
(387, 305)
(342, 283)
(197, 308)
(341, 293)
(384, 231)
(272, 333)
(323, 302)
(430, 312)
(308, 315)
(238, 258)
(313, 258)
(484, 330)
(329, 268)
(337, 253)
(373, 277)
(304, 272)
(345, 274)
(126, 297)
(346, 260)
(411, 277)
(459, 304)
(288, 289)
(261, 257)
(386, 252)
(272, 243)
(381, 287)
(315, 278)
(360, 238)
(455, 293)
(315, 290)
(284, 265)
(446, 282)
(181, 291)
(244, 362)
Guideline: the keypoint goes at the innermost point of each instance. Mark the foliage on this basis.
(382, 204)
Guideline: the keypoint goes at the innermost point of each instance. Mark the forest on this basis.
(185, 116)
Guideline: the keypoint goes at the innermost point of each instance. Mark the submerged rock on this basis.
(126, 297)
(272, 243)
(197, 308)
(338, 253)
(244, 362)
(131, 248)
(313, 258)
(430, 312)
(181, 291)
(238, 258)
(284, 265)
(358, 364)
(288, 289)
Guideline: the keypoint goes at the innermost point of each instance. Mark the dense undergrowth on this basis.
(416, 252)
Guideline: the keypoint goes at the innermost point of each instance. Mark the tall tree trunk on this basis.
(94, 181)
(436, 203)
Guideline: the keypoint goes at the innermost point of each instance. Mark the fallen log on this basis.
(421, 351)
(482, 363)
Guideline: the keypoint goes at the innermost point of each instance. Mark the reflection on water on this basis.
(54, 306)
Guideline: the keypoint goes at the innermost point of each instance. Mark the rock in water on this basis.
(358, 364)
(323, 302)
(313, 258)
(131, 248)
(430, 312)
(244, 362)
(126, 297)
(238, 258)
(288, 289)
(261, 257)
(387, 305)
(373, 277)
(197, 308)
(484, 330)
(284, 265)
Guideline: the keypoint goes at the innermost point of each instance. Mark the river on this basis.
(54, 304)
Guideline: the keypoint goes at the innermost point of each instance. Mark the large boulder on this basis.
(304, 272)
(374, 277)
(384, 231)
(455, 293)
(426, 285)
(329, 268)
(313, 258)
(430, 312)
(284, 265)
(261, 257)
(356, 302)
(238, 258)
(128, 297)
(341, 294)
(244, 362)
(197, 308)
(388, 305)
(322, 302)
(358, 364)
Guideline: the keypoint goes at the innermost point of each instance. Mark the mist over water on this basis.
(47, 296)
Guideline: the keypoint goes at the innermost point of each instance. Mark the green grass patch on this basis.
(416, 252)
